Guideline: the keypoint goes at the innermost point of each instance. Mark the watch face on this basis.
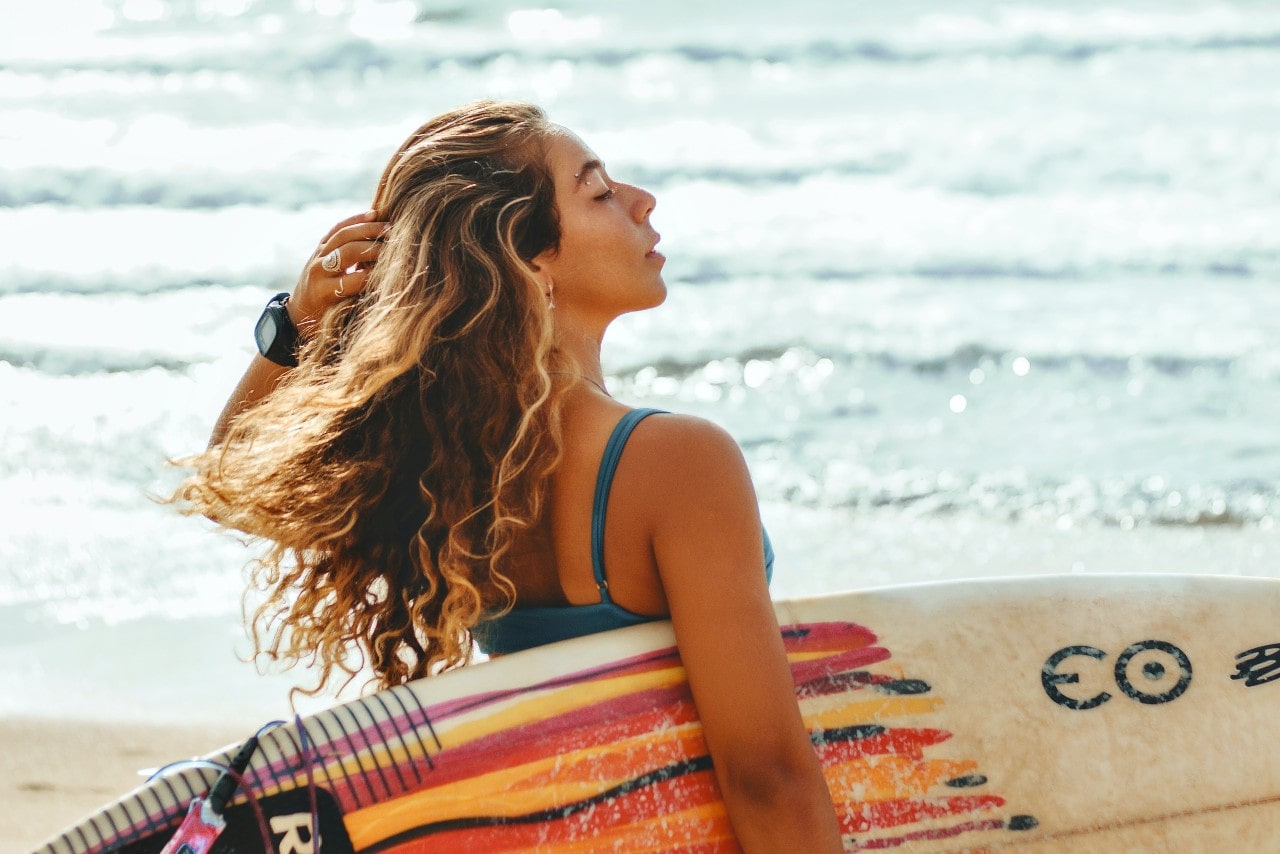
(274, 333)
(265, 332)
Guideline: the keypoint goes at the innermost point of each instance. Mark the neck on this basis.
(581, 354)
(588, 380)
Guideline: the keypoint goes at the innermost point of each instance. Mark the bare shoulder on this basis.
(696, 496)
(685, 447)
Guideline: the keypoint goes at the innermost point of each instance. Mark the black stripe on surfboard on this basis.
(306, 762)
(1101, 828)
(412, 726)
(174, 802)
(144, 825)
(426, 718)
(395, 766)
(282, 758)
(658, 775)
(83, 841)
(330, 741)
(359, 729)
(115, 831)
(834, 683)
(164, 816)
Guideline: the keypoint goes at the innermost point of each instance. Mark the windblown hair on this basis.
(391, 470)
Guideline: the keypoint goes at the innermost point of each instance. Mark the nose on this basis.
(644, 203)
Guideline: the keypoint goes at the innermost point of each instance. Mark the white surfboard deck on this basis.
(1042, 714)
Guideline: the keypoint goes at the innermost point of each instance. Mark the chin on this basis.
(651, 299)
(659, 296)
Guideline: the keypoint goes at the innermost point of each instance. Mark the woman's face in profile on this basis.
(606, 264)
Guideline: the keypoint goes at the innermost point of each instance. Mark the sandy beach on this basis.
(56, 772)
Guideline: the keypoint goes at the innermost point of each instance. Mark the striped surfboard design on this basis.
(608, 757)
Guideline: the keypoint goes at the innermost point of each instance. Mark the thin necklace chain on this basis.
(581, 377)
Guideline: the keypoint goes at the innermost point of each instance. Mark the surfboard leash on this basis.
(308, 758)
(205, 819)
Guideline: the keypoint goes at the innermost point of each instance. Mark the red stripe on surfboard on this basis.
(838, 683)
(862, 818)
(900, 742)
(824, 637)
(626, 717)
(930, 835)
(808, 671)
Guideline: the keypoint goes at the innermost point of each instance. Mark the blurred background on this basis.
(982, 288)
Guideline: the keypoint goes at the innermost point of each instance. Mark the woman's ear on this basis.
(542, 275)
(544, 259)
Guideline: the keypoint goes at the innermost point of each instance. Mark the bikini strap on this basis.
(604, 482)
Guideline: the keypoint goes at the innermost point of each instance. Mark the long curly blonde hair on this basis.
(391, 471)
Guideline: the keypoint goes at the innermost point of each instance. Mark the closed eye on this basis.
(606, 195)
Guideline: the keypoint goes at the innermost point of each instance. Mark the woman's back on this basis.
(555, 616)
(544, 611)
(556, 569)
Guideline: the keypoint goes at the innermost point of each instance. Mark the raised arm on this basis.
(319, 288)
(707, 541)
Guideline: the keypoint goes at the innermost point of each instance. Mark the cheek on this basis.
(587, 247)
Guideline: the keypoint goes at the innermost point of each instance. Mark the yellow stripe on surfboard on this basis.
(693, 826)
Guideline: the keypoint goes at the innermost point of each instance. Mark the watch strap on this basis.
(275, 334)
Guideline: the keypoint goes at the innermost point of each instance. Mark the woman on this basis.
(428, 473)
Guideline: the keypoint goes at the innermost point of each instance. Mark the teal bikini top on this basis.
(523, 628)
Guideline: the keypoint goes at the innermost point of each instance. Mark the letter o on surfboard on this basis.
(1151, 660)
(1154, 671)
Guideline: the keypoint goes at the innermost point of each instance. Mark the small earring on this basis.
(551, 297)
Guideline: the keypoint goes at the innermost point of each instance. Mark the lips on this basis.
(653, 250)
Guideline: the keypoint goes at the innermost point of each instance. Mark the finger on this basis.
(318, 293)
(362, 252)
(363, 217)
(332, 262)
(349, 233)
(359, 253)
(351, 284)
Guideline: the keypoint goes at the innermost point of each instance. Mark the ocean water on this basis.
(981, 287)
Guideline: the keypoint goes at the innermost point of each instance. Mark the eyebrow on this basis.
(587, 167)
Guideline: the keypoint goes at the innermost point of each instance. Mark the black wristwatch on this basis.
(275, 333)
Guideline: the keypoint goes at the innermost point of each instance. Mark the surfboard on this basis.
(1045, 714)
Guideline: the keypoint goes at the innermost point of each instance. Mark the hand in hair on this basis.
(357, 240)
